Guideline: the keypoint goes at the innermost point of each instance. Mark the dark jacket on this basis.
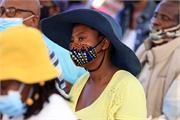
(125, 16)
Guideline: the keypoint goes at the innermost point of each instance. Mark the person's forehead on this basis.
(169, 9)
(21, 4)
(83, 28)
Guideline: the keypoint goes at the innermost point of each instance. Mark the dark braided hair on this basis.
(44, 92)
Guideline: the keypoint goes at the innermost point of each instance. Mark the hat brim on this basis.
(59, 29)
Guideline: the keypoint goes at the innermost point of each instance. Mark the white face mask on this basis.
(159, 36)
(25, 19)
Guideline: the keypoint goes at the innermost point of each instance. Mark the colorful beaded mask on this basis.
(83, 55)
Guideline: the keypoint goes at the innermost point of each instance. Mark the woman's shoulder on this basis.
(123, 76)
(126, 86)
(124, 81)
(123, 93)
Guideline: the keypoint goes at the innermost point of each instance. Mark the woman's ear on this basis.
(106, 44)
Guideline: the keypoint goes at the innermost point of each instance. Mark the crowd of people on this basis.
(67, 60)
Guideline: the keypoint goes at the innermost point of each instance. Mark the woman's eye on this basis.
(81, 38)
(72, 40)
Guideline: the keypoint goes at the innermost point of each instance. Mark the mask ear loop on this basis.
(92, 70)
(99, 42)
(29, 101)
(102, 60)
(21, 88)
(28, 18)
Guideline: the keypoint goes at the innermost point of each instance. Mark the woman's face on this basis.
(88, 42)
(83, 34)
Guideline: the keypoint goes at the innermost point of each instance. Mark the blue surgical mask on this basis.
(12, 104)
(9, 22)
(84, 55)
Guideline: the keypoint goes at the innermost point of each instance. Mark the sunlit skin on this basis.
(85, 35)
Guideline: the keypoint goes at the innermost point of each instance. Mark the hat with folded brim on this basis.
(59, 29)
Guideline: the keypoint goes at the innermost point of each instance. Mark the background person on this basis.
(159, 56)
(29, 12)
(134, 19)
(27, 76)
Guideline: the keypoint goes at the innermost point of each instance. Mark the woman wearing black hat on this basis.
(109, 90)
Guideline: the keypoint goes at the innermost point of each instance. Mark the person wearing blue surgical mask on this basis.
(14, 12)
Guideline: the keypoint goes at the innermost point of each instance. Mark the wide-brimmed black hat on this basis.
(59, 29)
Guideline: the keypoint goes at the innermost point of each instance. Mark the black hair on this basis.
(44, 92)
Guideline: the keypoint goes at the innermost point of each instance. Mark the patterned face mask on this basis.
(159, 36)
(84, 55)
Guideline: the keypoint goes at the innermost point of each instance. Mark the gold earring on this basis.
(42, 83)
(29, 101)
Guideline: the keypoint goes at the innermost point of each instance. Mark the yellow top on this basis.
(122, 99)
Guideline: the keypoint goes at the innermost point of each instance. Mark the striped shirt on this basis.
(55, 61)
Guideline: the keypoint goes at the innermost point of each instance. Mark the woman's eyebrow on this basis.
(77, 34)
